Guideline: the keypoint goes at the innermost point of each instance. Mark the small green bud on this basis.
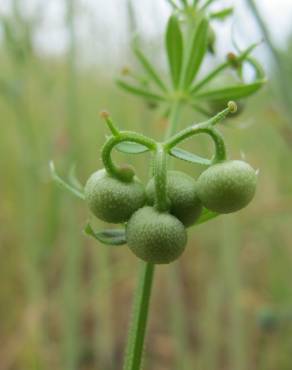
(233, 60)
(216, 106)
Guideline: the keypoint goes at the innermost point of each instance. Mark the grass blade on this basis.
(63, 184)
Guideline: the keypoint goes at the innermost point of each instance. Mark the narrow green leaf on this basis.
(260, 73)
(222, 14)
(73, 180)
(148, 67)
(196, 52)
(63, 184)
(209, 77)
(131, 148)
(189, 157)
(231, 92)
(208, 3)
(206, 216)
(174, 47)
(139, 91)
(201, 110)
(173, 4)
(114, 237)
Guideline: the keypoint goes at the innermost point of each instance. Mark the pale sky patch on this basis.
(102, 25)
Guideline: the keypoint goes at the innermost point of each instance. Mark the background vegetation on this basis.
(64, 299)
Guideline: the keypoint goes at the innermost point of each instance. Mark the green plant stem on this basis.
(143, 293)
(137, 331)
(220, 149)
(135, 344)
(174, 115)
(129, 136)
(207, 128)
(160, 176)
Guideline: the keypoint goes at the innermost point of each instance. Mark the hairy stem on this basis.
(137, 331)
(206, 127)
(174, 115)
(160, 177)
(138, 324)
(121, 173)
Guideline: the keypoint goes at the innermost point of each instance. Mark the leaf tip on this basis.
(87, 229)
(52, 168)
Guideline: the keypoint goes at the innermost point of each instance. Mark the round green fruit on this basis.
(112, 200)
(182, 193)
(156, 237)
(227, 187)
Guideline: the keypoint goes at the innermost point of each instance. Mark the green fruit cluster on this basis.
(160, 237)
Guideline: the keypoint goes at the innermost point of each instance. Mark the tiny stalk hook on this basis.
(126, 172)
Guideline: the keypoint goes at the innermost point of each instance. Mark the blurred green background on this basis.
(65, 300)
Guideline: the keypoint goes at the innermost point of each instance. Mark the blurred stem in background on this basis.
(210, 327)
(178, 319)
(230, 271)
(104, 330)
(73, 346)
(71, 303)
(18, 44)
(283, 80)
